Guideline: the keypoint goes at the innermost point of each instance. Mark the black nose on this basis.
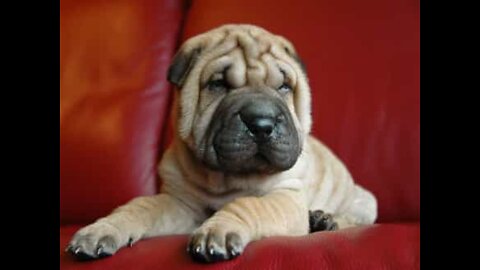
(260, 116)
(261, 127)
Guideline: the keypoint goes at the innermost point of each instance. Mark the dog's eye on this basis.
(284, 88)
(216, 85)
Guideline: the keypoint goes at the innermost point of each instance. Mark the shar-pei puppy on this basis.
(242, 165)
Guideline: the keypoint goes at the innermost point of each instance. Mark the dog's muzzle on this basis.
(261, 117)
(251, 133)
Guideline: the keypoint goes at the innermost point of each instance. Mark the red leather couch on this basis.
(362, 59)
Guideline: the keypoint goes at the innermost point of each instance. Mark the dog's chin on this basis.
(248, 159)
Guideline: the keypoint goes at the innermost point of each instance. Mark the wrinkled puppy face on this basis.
(243, 101)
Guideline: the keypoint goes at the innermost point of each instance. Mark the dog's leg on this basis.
(140, 218)
(362, 210)
(225, 234)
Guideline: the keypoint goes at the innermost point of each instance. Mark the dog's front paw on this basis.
(215, 244)
(321, 221)
(95, 241)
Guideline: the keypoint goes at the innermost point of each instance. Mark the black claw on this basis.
(326, 217)
(197, 248)
(211, 251)
(196, 252)
(234, 245)
(104, 255)
(215, 256)
(130, 242)
(99, 250)
(333, 226)
(79, 254)
(233, 253)
(108, 243)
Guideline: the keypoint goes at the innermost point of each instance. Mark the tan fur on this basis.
(256, 206)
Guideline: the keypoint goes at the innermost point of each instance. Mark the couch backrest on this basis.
(363, 63)
(114, 55)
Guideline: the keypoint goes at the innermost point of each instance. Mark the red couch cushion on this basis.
(384, 246)
(362, 59)
(113, 99)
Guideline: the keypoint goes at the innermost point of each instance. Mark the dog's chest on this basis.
(220, 189)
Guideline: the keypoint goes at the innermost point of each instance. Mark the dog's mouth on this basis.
(255, 135)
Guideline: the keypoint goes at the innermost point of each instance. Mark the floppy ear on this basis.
(181, 65)
(300, 62)
(298, 59)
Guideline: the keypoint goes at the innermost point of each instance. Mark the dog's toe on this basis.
(213, 246)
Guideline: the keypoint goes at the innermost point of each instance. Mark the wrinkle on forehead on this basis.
(253, 58)
(236, 75)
